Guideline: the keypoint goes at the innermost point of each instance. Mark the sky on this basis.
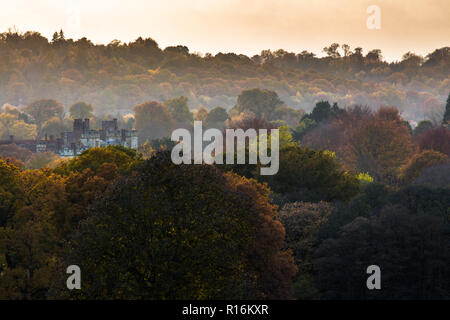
(242, 26)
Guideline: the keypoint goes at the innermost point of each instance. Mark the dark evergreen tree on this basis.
(446, 119)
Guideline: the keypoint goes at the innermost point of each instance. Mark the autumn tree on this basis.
(201, 114)
(120, 75)
(12, 123)
(146, 150)
(41, 160)
(7, 121)
(287, 114)
(22, 130)
(82, 189)
(212, 236)
(7, 108)
(327, 136)
(437, 139)
(246, 122)
(380, 144)
(126, 160)
(43, 110)
(13, 151)
(419, 162)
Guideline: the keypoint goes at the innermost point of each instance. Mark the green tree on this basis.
(332, 50)
(305, 126)
(153, 121)
(55, 37)
(422, 126)
(261, 102)
(179, 109)
(321, 111)
(216, 118)
(324, 112)
(29, 246)
(302, 221)
(289, 115)
(446, 119)
(408, 238)
(9, 190)
(309, 175)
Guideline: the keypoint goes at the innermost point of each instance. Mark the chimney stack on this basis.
(78, 126)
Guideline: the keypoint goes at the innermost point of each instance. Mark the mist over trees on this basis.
(117, 76)
(363, 179)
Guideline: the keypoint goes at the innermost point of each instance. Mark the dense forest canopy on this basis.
(363, 179)
(117, 76)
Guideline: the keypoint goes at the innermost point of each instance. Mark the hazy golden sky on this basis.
(241, 26)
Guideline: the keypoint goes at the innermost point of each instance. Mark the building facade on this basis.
(82, 138)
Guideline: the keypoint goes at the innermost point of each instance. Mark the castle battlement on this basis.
(81, 138)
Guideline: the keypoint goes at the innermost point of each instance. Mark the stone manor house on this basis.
(80, 139)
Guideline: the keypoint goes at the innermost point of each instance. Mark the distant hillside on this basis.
(116, 77)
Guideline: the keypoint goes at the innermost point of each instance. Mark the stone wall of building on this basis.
(81, 139)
